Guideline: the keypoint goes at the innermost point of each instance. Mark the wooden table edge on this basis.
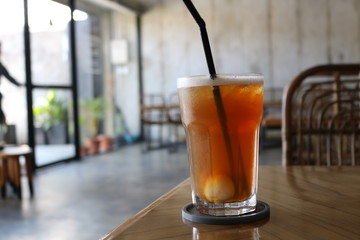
(143, 212)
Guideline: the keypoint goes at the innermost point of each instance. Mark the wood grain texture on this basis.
(306, 202)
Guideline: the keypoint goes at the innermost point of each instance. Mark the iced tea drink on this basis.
(223, 165)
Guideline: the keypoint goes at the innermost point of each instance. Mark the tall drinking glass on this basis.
(221, 117)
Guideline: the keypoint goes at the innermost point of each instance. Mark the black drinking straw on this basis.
(204, 37)
(216, 90)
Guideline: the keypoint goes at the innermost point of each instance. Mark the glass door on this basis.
(52, 86)
(49, 75)
(12, 73)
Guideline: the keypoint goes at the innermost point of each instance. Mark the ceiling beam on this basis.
(133, 5)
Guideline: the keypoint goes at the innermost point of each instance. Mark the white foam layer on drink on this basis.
(221, 79)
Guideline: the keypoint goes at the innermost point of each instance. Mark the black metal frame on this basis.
(141, 86)
(74, 81)
(30, 86)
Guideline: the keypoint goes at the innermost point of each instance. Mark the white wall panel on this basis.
(152, 51)
(344, 31)
(313, 27)
(279, 38)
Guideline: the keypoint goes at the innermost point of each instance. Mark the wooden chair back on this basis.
(321, 116)
(153, 109)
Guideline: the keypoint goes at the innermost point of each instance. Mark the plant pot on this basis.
(92, 145)
(57, 134)
(83, 151)
(105, 143)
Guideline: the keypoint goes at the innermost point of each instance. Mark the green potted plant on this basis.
(51, 116)
(91, 114)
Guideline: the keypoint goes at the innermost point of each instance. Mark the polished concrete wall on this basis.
(278, 38)
(123, 86)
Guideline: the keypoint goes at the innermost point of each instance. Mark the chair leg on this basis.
(3, 191)
(147, 132)
(171, 138)
(177, 137)
(17, 190)
(262, 136)
(160, 143)
(3, 174)
(29, 171)
(16, 176)
(31, 187)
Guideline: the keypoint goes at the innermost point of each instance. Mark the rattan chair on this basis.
(321, 116)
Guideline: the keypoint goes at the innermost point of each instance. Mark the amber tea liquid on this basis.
(223, 177)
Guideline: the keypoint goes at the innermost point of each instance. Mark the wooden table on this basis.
(306, 202)
(11, 168)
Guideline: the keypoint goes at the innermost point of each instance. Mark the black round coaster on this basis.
(190, 213)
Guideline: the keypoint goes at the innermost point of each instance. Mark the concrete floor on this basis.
(86, 199)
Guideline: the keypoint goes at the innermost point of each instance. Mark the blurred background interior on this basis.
(98, 104)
